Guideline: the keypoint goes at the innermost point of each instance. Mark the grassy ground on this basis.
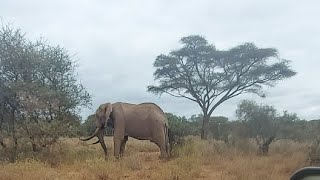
(196, 159)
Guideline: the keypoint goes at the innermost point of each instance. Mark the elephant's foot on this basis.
(105, 157)
(121, 155)
(117, 156)
(163, 156)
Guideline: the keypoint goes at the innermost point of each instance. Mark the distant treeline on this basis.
(220, 127)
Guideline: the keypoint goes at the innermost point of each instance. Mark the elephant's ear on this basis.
(103, 110)
(108, 110)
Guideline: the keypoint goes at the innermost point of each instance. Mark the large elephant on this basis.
(144, 121)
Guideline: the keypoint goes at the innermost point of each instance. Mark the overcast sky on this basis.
(116, 43)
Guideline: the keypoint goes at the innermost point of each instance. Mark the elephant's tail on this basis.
(170, 139)
(167, 139)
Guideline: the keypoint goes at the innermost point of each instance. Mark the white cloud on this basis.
(117, 42)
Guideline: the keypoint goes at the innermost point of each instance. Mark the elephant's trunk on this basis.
(90, 137)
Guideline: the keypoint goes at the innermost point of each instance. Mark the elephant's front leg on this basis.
(119, 131)
(123, 144)
(117, 146)
(100, 137)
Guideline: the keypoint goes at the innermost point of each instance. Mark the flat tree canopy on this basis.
(201, 73)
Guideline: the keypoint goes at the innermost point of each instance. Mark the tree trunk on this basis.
(1, 121)
(3, 145)
(34, 145)
(263, 150)
(204, 130)
(14, 138)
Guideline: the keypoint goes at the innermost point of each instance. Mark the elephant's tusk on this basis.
(96, 142)
(94, 134)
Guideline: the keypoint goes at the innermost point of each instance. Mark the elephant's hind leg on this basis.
(163, 152)
(117, 146)
(161, 144)
(123, 144)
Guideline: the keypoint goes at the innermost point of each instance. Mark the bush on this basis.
(314, 153)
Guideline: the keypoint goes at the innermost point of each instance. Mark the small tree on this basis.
(261, 120)
(201, 73)
(40, 95)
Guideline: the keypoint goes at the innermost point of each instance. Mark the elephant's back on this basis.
(144, 112)
(153, 105)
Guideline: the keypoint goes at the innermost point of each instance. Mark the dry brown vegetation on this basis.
(196, 159)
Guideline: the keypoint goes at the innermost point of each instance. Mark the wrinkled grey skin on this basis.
(144, 121)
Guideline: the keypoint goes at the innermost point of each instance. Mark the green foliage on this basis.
(265, 124)
(301, 130)
(40, 95)
(266, 121)
(201, 73)
(181, 127)
(89, 126)
(261, 119)
(219, 127)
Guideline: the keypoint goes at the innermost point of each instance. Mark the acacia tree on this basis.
(201, 73)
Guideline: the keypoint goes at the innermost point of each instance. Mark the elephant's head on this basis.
(102, 116)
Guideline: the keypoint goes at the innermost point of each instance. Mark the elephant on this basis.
(145, 121)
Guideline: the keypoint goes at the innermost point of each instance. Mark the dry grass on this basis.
(196, 159)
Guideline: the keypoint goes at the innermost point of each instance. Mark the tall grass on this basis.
(195, 159)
